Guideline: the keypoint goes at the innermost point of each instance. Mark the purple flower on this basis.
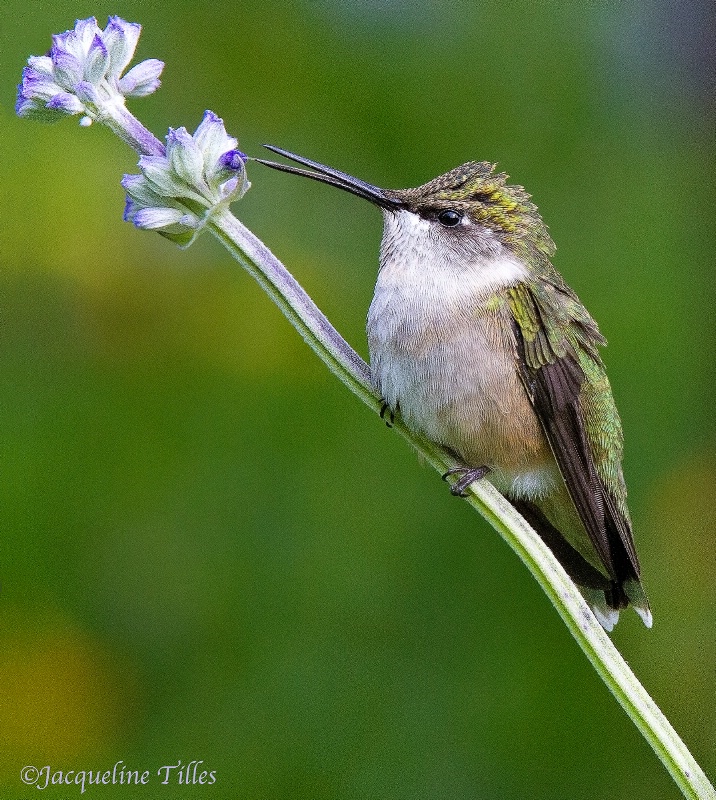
(177, 192)
(82, 73)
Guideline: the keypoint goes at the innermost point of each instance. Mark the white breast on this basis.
(442, 349)
(428, 317)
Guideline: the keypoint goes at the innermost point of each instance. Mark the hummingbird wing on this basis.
(567, 385)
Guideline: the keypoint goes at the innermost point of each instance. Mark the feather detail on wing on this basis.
(564, 377)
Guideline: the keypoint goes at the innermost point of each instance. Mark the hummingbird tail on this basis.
(605, 614)
(639, 601)
(607, 603)
(605, 596)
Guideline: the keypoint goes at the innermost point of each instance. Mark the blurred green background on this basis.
(208, 548)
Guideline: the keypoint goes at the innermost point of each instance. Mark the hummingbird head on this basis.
(469, 206)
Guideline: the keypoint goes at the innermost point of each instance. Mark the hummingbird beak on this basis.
(333, 177)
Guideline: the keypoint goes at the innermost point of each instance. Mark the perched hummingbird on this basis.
(483, 348)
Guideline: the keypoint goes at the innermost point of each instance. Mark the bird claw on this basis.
(468, 476)
(391, 415)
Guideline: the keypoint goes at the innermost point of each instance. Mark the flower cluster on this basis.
(177, 193)
(82, 73)
(183, 183)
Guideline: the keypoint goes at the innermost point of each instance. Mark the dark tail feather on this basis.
(607, 597)
(574, 563)
(616, 596)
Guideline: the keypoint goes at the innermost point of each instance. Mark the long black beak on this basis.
(333, 177)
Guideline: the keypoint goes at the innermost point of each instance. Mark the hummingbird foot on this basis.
(467, 476)
(387, 414)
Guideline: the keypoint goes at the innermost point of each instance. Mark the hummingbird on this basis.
(478, 342)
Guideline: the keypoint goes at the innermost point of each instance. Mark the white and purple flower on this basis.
(82, 73)
(177, 192)
(183, 183)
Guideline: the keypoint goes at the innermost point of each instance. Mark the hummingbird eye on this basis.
(449, 218)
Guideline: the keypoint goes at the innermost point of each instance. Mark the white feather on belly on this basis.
(442, 349)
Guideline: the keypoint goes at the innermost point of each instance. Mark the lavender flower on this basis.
(183, 184)
(178, 192)
(82, 73)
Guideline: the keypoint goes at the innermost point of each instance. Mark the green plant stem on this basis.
(350, 368)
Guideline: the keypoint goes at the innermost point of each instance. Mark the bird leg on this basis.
(387, 414)
(467, 476)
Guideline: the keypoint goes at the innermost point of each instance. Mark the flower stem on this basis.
(130, 130)
(295, 303)
(350, 368)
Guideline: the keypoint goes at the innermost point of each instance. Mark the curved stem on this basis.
(350, 368)
(130, 130)
(295, 303)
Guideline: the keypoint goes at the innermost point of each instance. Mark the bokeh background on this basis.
(209, 549)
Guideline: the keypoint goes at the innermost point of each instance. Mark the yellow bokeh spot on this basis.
(62, 695)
